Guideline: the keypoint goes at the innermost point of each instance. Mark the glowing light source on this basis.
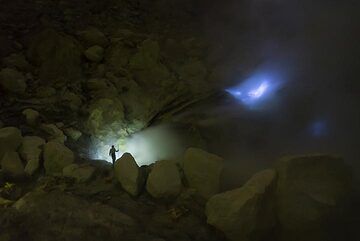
(258, 92)
(319, 128)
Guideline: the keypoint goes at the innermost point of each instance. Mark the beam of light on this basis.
(147, 146)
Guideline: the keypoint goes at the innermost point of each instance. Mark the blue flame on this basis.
(255, 91)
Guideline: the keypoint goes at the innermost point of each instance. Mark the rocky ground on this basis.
(74, 73)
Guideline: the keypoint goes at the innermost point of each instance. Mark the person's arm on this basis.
(117, 150)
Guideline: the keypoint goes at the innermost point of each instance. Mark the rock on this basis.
(92, 36)
(202, 171)
(12, 81)
(73, 133)
(127, 172)
(146, 66)
(246, 213)
(44, 92)
(58, 56)
(94, 53)
(164, 180)
(11, 164)
(81, 173)
(71, 100)
(194, 73)
(32, 116)
(5, 202)
(1, 124)
(30, 151)
(10, 140)
(53, 132)
(56, 157)
(17, 61)
(309, 188)
(118, 56)
(101, 222)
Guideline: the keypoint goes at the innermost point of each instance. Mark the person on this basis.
(112, 153)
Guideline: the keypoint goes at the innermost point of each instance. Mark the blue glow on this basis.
(319, 128)
(255, 91)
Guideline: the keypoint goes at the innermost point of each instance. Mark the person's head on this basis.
(112, 146)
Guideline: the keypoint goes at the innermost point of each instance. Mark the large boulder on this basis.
(94, 53)
(30, 151)
(246, 213)
(81, 173)
(12, 165)
(93, 36)
(58, 56)
(309, 189)
(202, 171)
(164, 180)
(53, 133)
(56, 157)
(12, 81)
(10, 140)
(32, 116)
(73, 133)
(127, 172)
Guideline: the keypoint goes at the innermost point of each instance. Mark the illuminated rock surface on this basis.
(128, 174)
(246, 213)
(82, 173)
(202, 171)
(164, 180)
(56, 157)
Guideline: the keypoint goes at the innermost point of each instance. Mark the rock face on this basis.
(164, 180)
(127, 172)
(81, 173)
(202, 171)
(309, 188)
(57, 55)
(246, 213)
(74, 134)
(32, 116)
(10, 140)
(12, 81)
(30, 151)
(56, 157)
(93, 36)
(12, 165)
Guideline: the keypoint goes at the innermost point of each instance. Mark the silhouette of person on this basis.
(112, 153)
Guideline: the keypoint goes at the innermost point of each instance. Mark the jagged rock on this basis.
(11, 164)
(12, 81)
(56, 157)
(92, 36)
(17, 61)
(246, 213)
(30, 151)
(202, 171)
(71, 100)
(117, 56)
(84, 220)
(164, 180)
(53, 132)
(101, 88)
(58, 56)
(32, 116)
(127, 172)
(81, 173)
(94, 53)
(103, 122)
(10, 140)
(309, 188)
(5, 202)
(73, 133)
